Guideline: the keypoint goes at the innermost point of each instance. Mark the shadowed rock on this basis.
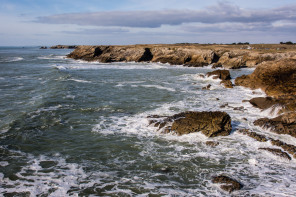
(277, 152)
(263, 102)
(228, 184)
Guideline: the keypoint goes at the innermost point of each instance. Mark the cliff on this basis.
(228, 56)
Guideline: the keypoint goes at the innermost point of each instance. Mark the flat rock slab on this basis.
(211, 124)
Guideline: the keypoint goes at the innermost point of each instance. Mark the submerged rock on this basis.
(212, 143)
(211, 124)
(207, 87)
(277, 152)
(227, 83)
(286, 147)
(228, 184)
(254, 135)
(284, 124)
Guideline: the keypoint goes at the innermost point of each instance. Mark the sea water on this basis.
(75, 128)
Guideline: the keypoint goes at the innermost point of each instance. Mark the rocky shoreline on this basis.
(228, 56)
(275, 74)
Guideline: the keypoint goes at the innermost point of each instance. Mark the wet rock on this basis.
(286, 147)
(43, 47)
(17, 194)
(227, 83)
(207, 87)
(224, 105)
(241, 108)
(254, 135)
(220, 74)
(277, 152)
(284, 124)
(212, 143)
(263, 102)
(228, 184)
(211, 124)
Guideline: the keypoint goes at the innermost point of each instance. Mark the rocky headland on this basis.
(228, 56)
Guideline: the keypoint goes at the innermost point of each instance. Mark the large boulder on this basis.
(211, 124)
(275, 78)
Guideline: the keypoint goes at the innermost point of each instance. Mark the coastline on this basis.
(275, 74)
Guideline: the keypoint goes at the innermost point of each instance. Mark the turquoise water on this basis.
(73, 128)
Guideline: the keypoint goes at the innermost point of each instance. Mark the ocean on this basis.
(76, 128)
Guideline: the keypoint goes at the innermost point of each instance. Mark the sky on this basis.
(119, 22)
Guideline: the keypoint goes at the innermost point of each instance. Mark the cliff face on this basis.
(188, 55)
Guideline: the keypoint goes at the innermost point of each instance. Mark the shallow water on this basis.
(73, 128)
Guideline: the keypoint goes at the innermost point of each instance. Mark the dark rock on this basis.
(211, 124)
(17, 194)
(258, 137)
(284, 124)
(207, 87)
(239, 108)
(224, 105)
(43, 47)
(277, 152)
(227, 184)
(212, 143)
(221, 74)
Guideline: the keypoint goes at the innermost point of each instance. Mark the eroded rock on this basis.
(284, 124)
(228, 184)
(211, 124)
(212, 143)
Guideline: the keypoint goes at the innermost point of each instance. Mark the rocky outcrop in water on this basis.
(228, 184)
(276, 78)
(224, 75)
(284, 124)
(178, 54)
(277, 152)
(63, 47)
(211, 124)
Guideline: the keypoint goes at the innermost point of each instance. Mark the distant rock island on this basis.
(60, 47)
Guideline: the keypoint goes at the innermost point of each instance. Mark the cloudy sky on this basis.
(50, 22)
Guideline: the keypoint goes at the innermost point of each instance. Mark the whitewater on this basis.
(76, 128)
